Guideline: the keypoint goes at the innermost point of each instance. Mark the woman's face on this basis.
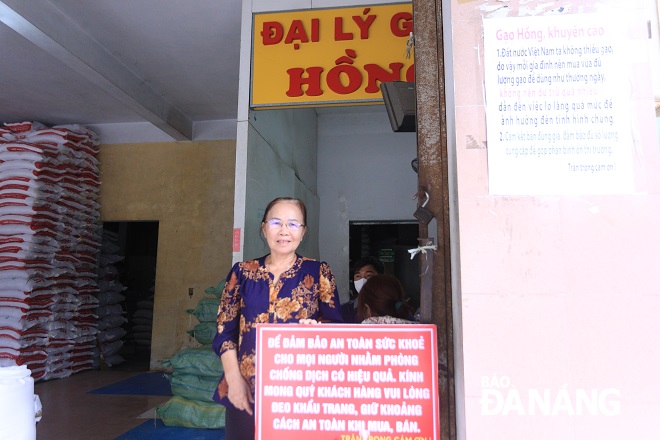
(282, 236)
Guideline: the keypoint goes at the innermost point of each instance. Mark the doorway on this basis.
(388, 241)
(137, 243)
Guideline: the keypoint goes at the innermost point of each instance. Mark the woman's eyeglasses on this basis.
(292, 225)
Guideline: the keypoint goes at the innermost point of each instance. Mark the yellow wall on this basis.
(188, 187)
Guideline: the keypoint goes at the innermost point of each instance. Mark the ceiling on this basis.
(169, 63)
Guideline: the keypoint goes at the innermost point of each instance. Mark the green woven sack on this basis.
(179, 411)
(204, 332)
(193, 387)
(199, 361)
(216, 291)
(206, 310)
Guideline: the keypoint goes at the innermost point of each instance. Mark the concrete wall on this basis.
(559, 293)
(281, 162)
(188, 187)
(265, 171)
(364, 174)
(276, 156)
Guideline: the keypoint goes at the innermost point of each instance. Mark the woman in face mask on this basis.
(365, 268)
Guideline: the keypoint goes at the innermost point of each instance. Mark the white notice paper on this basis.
(557, 102)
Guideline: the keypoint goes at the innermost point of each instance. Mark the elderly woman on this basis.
(281, 287)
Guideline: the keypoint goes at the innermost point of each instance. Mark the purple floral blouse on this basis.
(307, 290)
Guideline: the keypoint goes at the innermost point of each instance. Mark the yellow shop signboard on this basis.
(327, 57)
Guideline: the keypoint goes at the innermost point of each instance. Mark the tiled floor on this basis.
(69, 413)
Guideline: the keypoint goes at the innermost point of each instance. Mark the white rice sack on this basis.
(110, 297)
(22, 146)
(110, 348)
(114, 359)
(21, 295)
(24, 126)
(9, 353)
(26, 165)
(110, 335)
(112, 287)
(14, 303)
(111, 321)
(85, 338)
(110, 259)
(108, 310)
(24, 256)
(10, 318)
(7, 342)
(82, 132)
(24, 154)
(33, 341)
(17, 174)
(25, 280)
(86, 333)
(19, 245)
(58, 348)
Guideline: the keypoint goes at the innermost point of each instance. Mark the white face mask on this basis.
(359, 283)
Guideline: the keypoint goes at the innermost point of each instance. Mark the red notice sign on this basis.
(347, 382)
(236, 242)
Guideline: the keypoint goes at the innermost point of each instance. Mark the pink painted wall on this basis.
(560, 294)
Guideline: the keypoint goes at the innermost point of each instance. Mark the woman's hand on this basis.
(238, 390)
(308, 321)
(239, 394)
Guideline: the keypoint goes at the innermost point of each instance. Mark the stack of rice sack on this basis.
(142, 321)
(206, 313)
(196, 372)
(49, 244)
(110, 311)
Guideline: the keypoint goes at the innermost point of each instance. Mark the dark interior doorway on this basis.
(137, 242)
(388, 241)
